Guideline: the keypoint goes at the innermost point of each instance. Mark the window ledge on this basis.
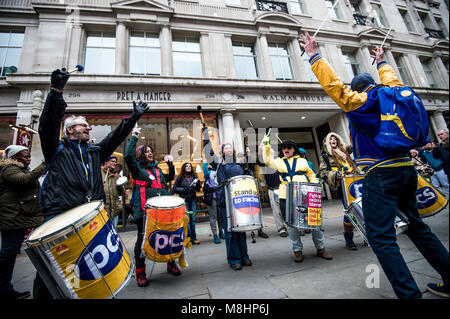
(339, 21)
(301, 15)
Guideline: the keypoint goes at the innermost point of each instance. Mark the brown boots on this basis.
(323, 253)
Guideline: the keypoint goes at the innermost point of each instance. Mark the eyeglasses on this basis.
(287, 147)
(85, 125)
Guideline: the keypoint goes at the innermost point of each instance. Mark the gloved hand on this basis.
(168, 158)
(59, 78)
(140, 108)
(266, 140)
(136, 131)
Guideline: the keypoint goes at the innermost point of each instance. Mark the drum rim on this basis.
(240, 176)
(147, 205)
(63, 229)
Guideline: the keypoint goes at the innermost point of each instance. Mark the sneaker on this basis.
(438, 289)
(262, 234)
(141, 277)
(173, 269)
(283, 233)
(247, 262)
(236, 266)
(196, 242)
(216, 239)
(298, 256)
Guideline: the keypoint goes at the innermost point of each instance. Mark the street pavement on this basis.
(274, 274)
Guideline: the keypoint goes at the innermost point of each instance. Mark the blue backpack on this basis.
(403, 122)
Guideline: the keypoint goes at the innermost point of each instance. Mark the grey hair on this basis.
(445, 130)
(71, 121)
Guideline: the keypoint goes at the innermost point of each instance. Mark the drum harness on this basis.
(291, 171)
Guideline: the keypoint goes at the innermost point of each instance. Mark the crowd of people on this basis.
(78, 172)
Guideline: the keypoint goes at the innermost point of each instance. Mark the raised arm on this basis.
(208, 151)
(52, 114)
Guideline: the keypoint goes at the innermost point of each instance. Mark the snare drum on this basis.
(304, 205)
(83, 253)
(165, 228)
(356, 216)
(242, 204)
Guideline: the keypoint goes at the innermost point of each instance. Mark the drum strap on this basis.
(291, 171)
(156, 183)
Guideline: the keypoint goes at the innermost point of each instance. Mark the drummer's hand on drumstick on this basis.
(136, 131)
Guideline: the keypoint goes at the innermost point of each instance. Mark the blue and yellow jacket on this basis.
(363, 112)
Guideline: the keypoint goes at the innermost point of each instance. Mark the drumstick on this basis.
(323, 21)
(199, 109)
(78, 67)
(374, 59)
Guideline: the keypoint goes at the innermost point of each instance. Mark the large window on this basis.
(407, 20)
(100, 53)
(145, 56)
(245, 60)
(428, 69)
(333, 11)
(186, 57)
(399, 60)
(297, 7)
(351, 64)
(10, 48)
(281, 63)
(379, 15)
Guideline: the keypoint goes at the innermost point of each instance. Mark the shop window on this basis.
(280, 59)
(145, 54)
(245, 60)
(10, 48)
(186, 57)
(100, 53)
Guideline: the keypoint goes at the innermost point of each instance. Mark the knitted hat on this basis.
(12, 150)
(360, 81)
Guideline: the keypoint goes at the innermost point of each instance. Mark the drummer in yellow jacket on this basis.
(294, 168)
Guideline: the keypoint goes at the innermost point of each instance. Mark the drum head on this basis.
(121, 180)
(74, 216)
(164, 202)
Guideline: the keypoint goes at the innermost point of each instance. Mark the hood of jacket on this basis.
(327, 145)
(9, 161)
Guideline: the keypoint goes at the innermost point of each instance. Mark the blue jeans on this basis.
(235, 242)
(191, 205)
(11, 241)
(385, 190)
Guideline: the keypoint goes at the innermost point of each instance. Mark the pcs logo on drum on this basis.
(166, 242)
(426, 197)
(101, 256)
(355, 188)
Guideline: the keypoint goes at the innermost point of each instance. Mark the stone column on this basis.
(231, 130)
(297, 59)
(207, 64)
(437, 122)
(265, 64)
(121, 48)
(165, 39)
(441, 74)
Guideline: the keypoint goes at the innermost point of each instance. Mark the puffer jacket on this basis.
(139, 173)
(19, 195)
(301, 172)
(66, 184)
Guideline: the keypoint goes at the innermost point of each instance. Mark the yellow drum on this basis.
(165, 228)
(429, 200)
(83, 253)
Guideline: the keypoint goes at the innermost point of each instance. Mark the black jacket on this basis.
(181, 187)
(65, 185)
